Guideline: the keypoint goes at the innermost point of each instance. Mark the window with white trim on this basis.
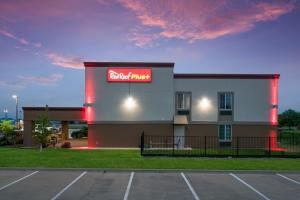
(183, 103)
(225, 133)
(183, 100)
(226, 101)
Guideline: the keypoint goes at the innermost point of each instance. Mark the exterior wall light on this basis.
(204, 104)
(87, 105)
(130, 103)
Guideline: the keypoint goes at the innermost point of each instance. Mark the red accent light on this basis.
(89, 98)
(274, 101)
(274, 142)
(129, 75)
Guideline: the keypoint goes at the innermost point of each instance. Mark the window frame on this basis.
(183, 103)
(225, 133)
(225, 101)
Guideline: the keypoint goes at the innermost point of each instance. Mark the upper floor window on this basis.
(183, 103)
(183, 100)
(225, 103)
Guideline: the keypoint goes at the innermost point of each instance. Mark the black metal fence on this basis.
(210, 146)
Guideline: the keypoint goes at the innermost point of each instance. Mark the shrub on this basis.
(9, 132)
(66, 145)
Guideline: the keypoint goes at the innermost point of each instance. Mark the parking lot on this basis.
(76, 184)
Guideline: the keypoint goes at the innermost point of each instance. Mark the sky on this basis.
(44, 43)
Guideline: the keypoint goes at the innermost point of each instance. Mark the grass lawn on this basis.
(131, 159)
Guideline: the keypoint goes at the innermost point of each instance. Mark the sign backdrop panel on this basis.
(129, 75)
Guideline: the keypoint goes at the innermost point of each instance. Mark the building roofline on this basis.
(128, 64)
(53, 108)
(226, 76)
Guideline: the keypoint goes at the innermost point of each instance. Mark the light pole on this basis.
(5, 113)
(17, 112)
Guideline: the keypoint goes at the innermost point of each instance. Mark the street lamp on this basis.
(17, 112)
(5, 113)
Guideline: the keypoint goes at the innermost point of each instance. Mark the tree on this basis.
(8, 129)
(41, 131)
(289, 118)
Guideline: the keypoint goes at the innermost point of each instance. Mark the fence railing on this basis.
(212, 146)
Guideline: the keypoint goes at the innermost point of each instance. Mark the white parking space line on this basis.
(68, 186)
(16, 181)
(190, 186)
(287, 178)
(128, 186)
(249, 186)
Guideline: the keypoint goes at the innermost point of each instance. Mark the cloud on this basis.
(194, 20)
(65, 61)
(13, 84)
(42, 80)
(142, 39)
(22, 82)
(21, 41)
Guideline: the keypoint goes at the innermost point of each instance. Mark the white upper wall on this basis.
(252, 98)
(154, 101)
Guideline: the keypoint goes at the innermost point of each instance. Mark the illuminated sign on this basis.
(129, 75)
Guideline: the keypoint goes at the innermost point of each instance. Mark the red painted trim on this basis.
(53, 108)
(127, 64)
(227, 76)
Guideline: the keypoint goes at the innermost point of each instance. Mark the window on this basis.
(183, 103)
(225, 133)
(225, 103)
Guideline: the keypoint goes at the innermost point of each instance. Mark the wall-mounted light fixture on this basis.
(87, 105)
(204, 104)
(130, 103)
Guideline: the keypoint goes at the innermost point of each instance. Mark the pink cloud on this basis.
(65, 61)
(22, 41)
(201, 19)
(42, 80)
(142, 39)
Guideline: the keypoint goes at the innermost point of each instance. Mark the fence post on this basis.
(205, 147)
(237, 146)
(173, 145)
(269, 146)
(142, 143)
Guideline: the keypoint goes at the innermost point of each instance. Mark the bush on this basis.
(66, 145)
(8, 129)
(3, 141)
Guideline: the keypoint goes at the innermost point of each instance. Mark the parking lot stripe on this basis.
(190, 186)
(68, 186)
(128, 186)
(287, 178)
(249, 186)
(16, 181)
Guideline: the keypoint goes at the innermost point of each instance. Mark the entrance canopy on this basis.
(63, 114)
(55, 113)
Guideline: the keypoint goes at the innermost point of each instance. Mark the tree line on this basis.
(289, 118)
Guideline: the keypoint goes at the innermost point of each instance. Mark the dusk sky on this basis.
(43, 43)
